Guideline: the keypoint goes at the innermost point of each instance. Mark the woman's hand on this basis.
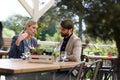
(21, 36)
(32, 47)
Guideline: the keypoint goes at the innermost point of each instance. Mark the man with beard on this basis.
(70, 43)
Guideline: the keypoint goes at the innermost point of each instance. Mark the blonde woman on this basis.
(24, 41)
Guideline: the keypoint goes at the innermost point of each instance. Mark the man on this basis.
(70, 43)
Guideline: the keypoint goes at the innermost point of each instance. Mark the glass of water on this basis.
(63, 55)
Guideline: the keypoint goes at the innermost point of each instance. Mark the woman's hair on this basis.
(30, 23)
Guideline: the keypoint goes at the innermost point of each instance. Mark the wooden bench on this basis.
(4, 50)
(7, 42)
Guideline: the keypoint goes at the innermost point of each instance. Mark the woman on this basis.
(24, 41)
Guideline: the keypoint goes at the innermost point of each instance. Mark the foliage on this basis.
(89, 73)
(72, 9)
(50, 21)
(103, 24)
(56, 37)
(100, 48)
(42, 50)
(60, 12)
(103, 21)
(41, 27)
(38, 51)
(15, 23)
(8, 33)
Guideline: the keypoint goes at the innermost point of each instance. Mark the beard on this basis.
(65, 35)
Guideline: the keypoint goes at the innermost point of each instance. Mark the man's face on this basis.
(64, 32)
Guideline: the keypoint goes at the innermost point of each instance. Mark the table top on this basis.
(101, 57)
(14, 66)
(64, 65)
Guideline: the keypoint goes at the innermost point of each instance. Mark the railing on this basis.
(50, 43)
(7, 43)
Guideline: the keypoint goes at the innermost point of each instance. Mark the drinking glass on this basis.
(26, 54)
(63, 55)
(57, 54)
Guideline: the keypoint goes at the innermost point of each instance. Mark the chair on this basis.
(111, 75)
(107, 73)
(95, 66)
(76, 72)
(5, 47)
(84, 58)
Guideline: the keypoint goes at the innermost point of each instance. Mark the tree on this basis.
(103, 21)
(72, 9)
(50, 21)
(16, 23)
(56, 37)
(61, 10)
(40, 28)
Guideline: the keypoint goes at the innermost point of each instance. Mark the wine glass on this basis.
(26, 54)
(63, 55)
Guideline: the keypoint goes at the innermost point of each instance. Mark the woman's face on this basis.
(32, 30)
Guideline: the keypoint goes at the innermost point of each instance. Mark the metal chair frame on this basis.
(94, 66)
(76, 72)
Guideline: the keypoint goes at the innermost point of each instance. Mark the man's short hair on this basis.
(67, 24)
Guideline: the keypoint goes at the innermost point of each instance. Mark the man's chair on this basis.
(95, 66)
(84, 58)
(76, 72)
